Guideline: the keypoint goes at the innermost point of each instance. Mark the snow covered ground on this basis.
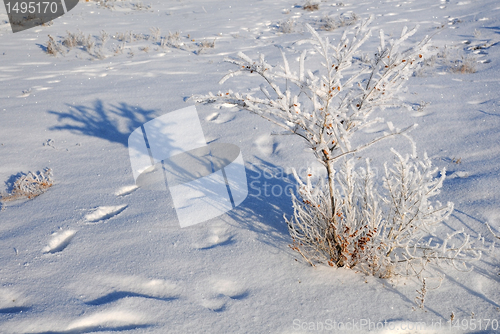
(96, 254)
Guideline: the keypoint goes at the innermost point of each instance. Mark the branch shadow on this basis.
(267, 202)
(488, 113)
(113, 123)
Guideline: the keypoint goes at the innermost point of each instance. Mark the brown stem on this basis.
(331, 186)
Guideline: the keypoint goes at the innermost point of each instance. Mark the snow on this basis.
(94, 253)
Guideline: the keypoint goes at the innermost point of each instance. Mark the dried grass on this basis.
(330, 23)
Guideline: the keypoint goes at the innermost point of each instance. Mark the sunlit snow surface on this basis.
(95, 253)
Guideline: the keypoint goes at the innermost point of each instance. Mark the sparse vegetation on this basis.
(465, 65)
(111, 4)
(420, 299)
(87, 43)
(52, 47)
(172, 40)
(333, 22)
(119, 48)
(310, 6)
(48, 24)
(79, 39)
(420, 107)
(204, 45)
(29, 185)
(286, 26)
(452, 60)
(348, 218)
(104, 37)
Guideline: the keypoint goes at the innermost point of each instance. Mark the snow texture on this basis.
(119, 261)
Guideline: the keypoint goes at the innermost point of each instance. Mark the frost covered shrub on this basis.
(286, 26)
(110, 4)
(30, 185)
(346, 219)
(310, 6)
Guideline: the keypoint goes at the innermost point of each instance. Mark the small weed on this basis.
(95, 45)
(26, 92)
(172, 40)
(420, 299)
(52, 47)
(70, 41)
(465, 65)
(110, 4)
(99, 54)
(30, 185)
(420, 107)
(328, 23)
(119, 48)
(140, 6)
(310, 6)
(453, 21)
